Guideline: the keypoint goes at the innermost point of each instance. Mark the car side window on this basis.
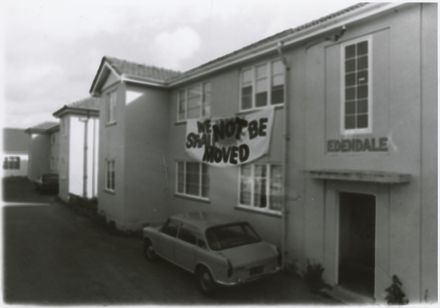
(170, 228)
(187, 235)
(201, 243)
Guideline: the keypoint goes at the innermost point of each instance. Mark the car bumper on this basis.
(240, 281)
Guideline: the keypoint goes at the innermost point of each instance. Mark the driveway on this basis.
(54, 256)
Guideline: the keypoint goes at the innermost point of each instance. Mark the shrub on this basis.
(395, 294)
(313, 276)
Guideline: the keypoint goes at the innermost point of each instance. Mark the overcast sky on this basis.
(52, 49)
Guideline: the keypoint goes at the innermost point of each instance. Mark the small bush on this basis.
(313, 276)
(395, 294)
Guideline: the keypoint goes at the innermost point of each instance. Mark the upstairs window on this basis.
(262, 85)
(194, 102)
(111, 107)
(356, 94)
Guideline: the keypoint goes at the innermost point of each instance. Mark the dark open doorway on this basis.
(356, 242)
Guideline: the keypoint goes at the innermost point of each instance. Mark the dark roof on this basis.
(140, 70)
(86, 106)
(85, 103)
(45, 127)
(15, 140)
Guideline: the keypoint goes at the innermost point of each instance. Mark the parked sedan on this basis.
(47, 183)
(217, 249)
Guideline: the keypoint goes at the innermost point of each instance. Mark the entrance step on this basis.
(348, 297)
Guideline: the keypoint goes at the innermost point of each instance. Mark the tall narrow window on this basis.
(356, 86)
(246, 89)
(206, 103)
(111, 107)
(261, 187)
(110, 175)
(261, 86)
(277, 83)
(192, 179)
(194, 102)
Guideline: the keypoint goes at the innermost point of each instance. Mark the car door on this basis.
(185, 249)
(167, 238)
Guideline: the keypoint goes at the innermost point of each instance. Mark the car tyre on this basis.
(206, 284)
(149, 252)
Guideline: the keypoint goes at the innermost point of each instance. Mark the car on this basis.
(47, 182)
(218, 250)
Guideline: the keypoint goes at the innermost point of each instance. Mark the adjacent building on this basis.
(341, 111)
(43, 149)
(78, 148)
(15, 152)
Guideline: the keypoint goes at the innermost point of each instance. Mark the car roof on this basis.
(205, 220)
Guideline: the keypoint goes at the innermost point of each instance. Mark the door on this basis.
(357, 242)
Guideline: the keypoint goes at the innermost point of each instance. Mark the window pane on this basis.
(362, 121)
(205, 181)
(349, 93)
(362, 91)
(246, 97)
(260, 196)
(350, 107)
(206, 99)
(362, 48)
(192, 178)
(362, 77)
(261, 99)
(245, 185)
(246, 76)
(276, 185)
(349, 122)
(362, 106)
(194, 102)
(349, 51)
(261, 71)
(362, 63)
(350, 79)
(277, 68)
(278, 94)
(350, 65)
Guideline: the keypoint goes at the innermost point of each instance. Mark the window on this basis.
(192, 179)
(262, 85)
(194, 102)
(11, 163)
(356, 98)
(111, 107)
(187, 235)
(261, 187)
(170, 228)
(231, 235)
(110, 175)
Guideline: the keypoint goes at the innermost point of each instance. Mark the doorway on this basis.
(357, 223)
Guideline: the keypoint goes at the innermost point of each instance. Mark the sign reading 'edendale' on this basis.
(358, 145)
(230, 141)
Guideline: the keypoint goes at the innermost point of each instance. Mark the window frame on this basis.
(202, 103)
(201, 183)
(252, 206)
(369, 128)
(110, 167)
(269, 82)
(11, 162)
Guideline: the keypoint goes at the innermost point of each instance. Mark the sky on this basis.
(51, 50)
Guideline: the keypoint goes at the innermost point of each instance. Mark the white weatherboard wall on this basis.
(76, 156)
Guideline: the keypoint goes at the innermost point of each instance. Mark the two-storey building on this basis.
(341, 111)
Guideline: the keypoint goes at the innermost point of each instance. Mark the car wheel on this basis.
(205, 281)
(149, 252)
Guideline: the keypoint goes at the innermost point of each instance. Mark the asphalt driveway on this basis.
(54, 256)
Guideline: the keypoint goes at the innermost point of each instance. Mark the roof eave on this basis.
(75, 111)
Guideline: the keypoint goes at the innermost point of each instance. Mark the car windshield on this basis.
(231, 235)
